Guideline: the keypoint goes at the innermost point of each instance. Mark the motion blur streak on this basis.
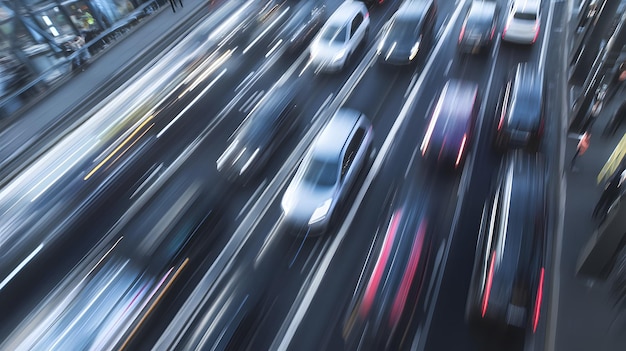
(201, 95)
(381, 263)
(154, 304)
(537, 310)
(266, 30)
(409, 274)
(20, 266)
(487, 291)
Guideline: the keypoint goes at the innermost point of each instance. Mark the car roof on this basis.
(263, 117)
(455, 104)
(413, 9)
(345, 11)
(484, 10)
(527, 93)
(334, 136)
(527, 6)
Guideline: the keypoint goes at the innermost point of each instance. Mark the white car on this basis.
(522, 23)
(328, 170)
(344, 32)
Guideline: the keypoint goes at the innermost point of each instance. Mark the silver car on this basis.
(342, 34)
(328, 170)
(522, 24)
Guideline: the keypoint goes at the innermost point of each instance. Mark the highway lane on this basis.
(448, 329)
(119, 185)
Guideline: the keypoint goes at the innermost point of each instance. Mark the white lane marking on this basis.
(20, 266)
(251, 199)
(321, 271)
(311, 255)
(468, 168)
(436, 267)
(546, 38)
(274, 48)
(145, 182)
(410, 87)
(193, 102)
(408, 167)
(265, 31)
(445, 73)
(553, 309)
(252, 102)
(245, 80)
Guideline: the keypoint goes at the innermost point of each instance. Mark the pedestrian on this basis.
(596, 108)
(173, 3)
(583, 145)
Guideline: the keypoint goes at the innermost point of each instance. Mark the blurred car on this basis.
(410, 29)
(478, 27)
(508, 274)
(342, 34)
(370, 3)
(260, 134)
(451, 125)
(522, 23)
(328, 170)
(519, 113)
(303, 25)
(392, 289)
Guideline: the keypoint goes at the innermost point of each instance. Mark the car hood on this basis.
(302, 199)
(325, 51)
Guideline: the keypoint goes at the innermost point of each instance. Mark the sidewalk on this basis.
(30, 132)
(587, 319)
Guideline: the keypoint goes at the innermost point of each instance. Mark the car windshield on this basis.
(527, 16)
(321, 172)
(334, 34)
(402, 30)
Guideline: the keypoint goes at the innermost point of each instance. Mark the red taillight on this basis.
(487, 291)
(493, 31)
(462, 32)
(536, 32)
(538, 301)
(408, 276)
(372, 285)
(367, 15)
(461, 149)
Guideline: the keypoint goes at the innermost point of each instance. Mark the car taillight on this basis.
(493, 31)
(487, 291)
(462, 32)
(367, 15)
(538, 298)
(536, 32)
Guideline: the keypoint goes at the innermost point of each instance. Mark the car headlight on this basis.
(320, 212)
(313, 49)
(339, 55)
(414, 50)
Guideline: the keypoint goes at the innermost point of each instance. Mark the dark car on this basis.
(506, 289)
(394, 281)
(408, 33)
(449, 132)
(266, 126)
(519, 114)
(302, 26)
(478, 27)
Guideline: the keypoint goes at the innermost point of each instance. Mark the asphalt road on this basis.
(252, 284)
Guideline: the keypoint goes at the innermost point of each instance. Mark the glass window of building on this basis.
(55, 22)
(82, 16)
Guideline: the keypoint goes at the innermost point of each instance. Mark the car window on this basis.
(356, 22)
(352, 150)
(403, 30)
(525, 16)
(334, 34)
(321, 172)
